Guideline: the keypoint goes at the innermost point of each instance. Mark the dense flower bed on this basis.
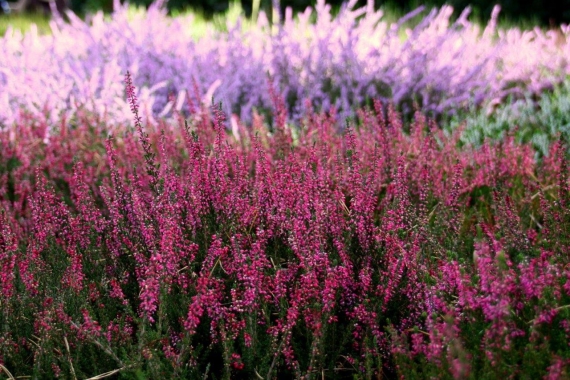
(176, 250)
(342, 61)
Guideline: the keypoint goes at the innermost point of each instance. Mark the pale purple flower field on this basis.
(335, 61)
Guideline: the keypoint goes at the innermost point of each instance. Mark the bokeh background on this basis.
(538, 12)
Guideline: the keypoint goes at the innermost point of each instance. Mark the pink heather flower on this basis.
(418, 345)
(460, 369)
(8, 247)
(89, 327)
(236, 362)
(194, 314)
(131, 95)
(150, 289)
(558, 369)
(56, 370)
(117, 292)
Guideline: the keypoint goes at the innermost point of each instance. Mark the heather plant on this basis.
(177, 249)
(538, 121)
(339, 62)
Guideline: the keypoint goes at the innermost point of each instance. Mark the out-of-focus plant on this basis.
(24, 22)
(539, 121)
(342, 62)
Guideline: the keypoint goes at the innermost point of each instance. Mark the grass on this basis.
(201, 24)
(23, 22)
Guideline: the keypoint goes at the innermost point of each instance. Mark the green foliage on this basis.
(533, 12)
(536, 119)
(23, 22)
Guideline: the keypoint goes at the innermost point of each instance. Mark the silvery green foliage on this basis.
(539, 122)
(340, 61)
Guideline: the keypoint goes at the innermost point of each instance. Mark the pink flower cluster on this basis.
(175, 246)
